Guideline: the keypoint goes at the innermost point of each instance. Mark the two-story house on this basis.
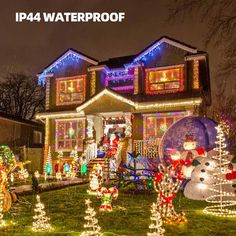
(138, 96)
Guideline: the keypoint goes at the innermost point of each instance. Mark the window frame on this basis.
(75, 78)
(37, 134)
(164, 91)
(66, 121)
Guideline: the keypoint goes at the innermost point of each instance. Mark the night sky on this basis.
(31, 46)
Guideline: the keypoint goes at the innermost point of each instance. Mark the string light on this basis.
(92, 223)
(219, 197)
(2, 221)
(93, 83)
(41, 221)
(143, 105)
(156, 225)
(166, 184)
(196, 74)
(70, 56)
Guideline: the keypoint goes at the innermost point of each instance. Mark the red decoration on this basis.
(158, 177)
(167, 200)
(200, 151)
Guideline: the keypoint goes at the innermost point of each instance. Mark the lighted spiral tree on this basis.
(166, 183)
(91, 222)
(221, 199)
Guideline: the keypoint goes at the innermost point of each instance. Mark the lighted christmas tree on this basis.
(41, 221)
(156, 225)
(2, 221)
(221, 199)
(92, 222)
(49, 162)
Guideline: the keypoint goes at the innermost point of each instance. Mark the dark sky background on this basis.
(31, 46)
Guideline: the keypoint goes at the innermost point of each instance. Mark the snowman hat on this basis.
(189, 138)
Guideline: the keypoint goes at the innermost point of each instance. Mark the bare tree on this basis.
(220, 15)
(21, 96)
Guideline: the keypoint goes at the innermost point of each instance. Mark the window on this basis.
(155, 125)
(69, 134)
(37, 137)
(71, 90)
(121, 80)
(164, 80)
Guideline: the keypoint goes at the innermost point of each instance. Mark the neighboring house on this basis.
(139, 96)
(24, 137)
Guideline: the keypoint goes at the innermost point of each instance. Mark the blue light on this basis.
(69, 58)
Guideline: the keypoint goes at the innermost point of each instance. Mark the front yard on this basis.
(131, 214)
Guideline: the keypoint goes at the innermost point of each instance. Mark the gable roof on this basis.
(68, 52)
(169, 41)
(139, 105)
(105, 91)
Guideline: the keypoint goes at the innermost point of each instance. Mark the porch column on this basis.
(128, 122)
(90, 127)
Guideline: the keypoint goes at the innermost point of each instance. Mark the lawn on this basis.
(131, 215)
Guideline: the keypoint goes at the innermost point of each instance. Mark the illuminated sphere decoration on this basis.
(201, 128)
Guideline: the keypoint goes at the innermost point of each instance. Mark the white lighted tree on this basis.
(41, 221)
(221, 199)
(156, 225)
(92, 223)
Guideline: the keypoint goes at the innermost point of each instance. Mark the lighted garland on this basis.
(219, 200)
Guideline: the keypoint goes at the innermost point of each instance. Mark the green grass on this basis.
(66, 209)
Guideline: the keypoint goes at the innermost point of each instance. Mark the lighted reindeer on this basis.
(166, 183)
(8, 165)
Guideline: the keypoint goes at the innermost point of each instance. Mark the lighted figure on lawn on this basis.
(95, 179)
(166, 183)
(190, 152)
(221, 199)
(83, 168)
(155, 227)
(66, 167)
(8, 165)
(48, 168)
(41, 221)
(198, 188)
(107, 195)
(91, 226)
(231, 176)
(2, 221)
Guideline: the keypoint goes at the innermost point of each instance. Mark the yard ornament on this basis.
(106, 196)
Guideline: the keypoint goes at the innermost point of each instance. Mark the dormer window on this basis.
(164, 80)
(71, 90)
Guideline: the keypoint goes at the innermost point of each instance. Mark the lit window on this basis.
(37, 137)
(155, 125)
(71, 90)
(70, 134)
(164, 80)
(121, 81)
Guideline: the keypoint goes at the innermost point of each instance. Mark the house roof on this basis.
(19, 120)
(117, 62)
(140, 105)
(64, 54)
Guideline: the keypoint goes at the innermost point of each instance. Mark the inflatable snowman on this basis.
(198, 188)
(190, 152)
